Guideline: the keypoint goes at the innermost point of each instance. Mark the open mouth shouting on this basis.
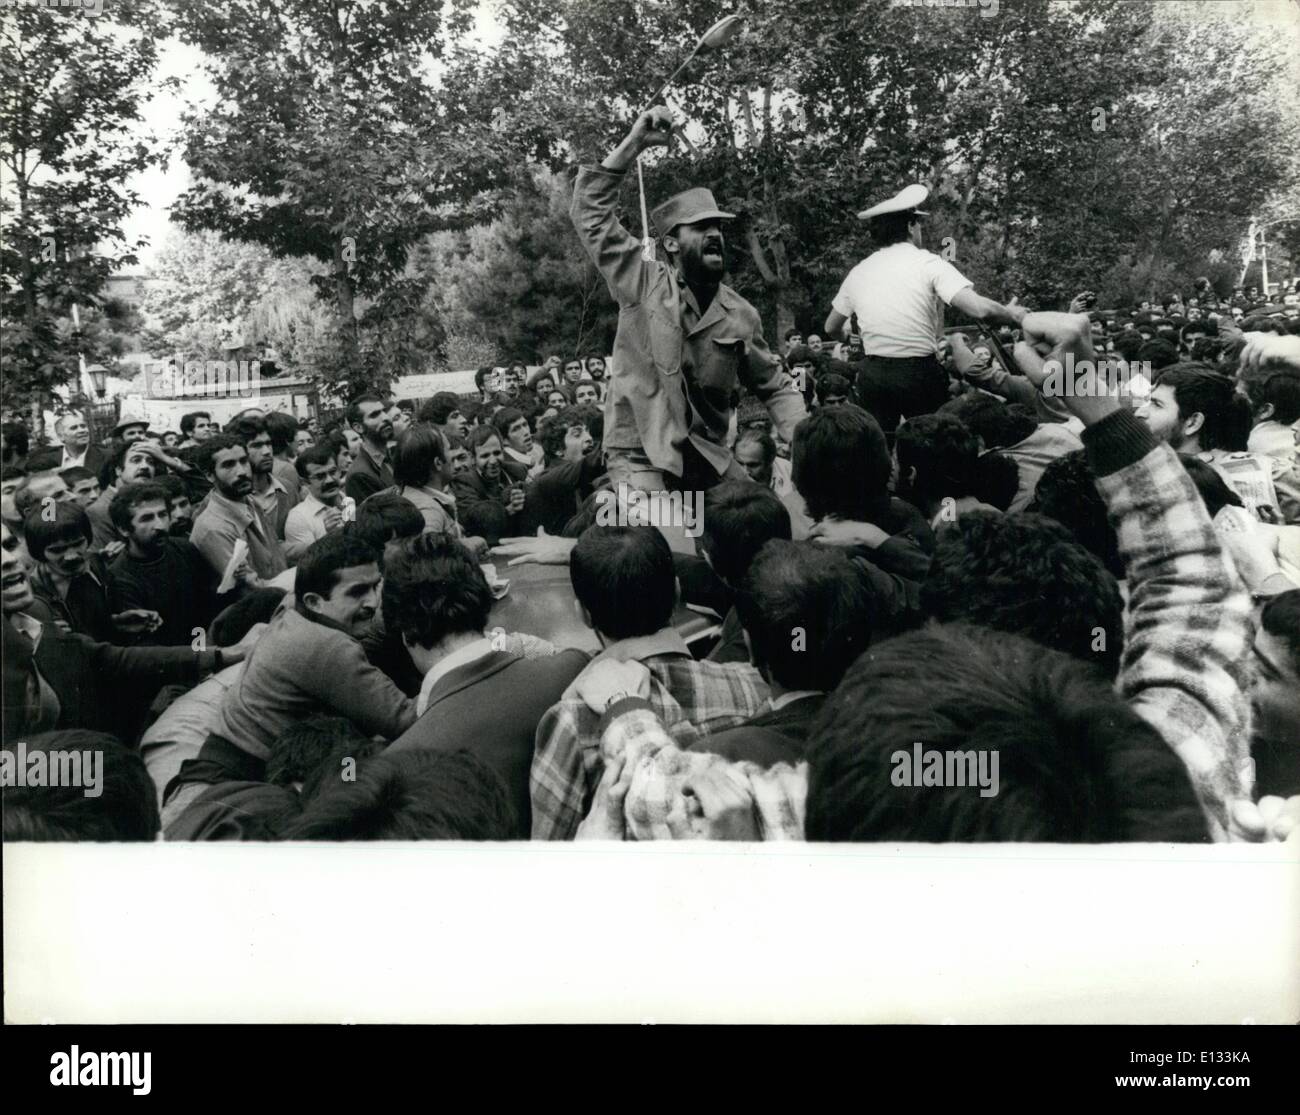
(16, 590)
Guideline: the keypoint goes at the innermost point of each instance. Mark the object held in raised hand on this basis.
(715, 37)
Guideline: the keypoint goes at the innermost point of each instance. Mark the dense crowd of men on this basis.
(910, 547)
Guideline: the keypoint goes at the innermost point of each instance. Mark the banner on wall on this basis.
(165, 414)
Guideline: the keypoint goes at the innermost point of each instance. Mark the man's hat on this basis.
(686, 208)
(909, 197)
(130, 419)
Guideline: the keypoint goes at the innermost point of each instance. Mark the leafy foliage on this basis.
(72, 87)
(334, 140)
(523, 284)
(1090, 144)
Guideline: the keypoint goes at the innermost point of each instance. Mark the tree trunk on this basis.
(781, 289)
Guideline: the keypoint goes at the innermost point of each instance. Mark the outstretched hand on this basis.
(137, 621)
(545, 549)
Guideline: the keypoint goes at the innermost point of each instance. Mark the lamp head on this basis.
(721, 33)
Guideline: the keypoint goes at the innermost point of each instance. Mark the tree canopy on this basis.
(72, 87)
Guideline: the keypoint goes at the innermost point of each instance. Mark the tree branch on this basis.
(756, 251)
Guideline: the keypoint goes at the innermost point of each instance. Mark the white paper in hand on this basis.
(237, 558)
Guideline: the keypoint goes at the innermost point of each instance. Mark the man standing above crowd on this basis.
(686, 341)
(898, 293)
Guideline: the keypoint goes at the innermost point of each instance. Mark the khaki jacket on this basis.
(675, 371)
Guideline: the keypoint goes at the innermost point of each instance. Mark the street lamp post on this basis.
(99, 377)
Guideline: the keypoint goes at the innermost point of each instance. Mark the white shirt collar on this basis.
(316, 507)
(28, 625)
(470, 652)
(794, 695)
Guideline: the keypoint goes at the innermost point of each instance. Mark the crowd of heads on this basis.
(957, 580)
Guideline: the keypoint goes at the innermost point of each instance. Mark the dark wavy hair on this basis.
(126, 807)
(1067, 492)
(1076, 764)
(411, 795)
(1026, 575)
(434, 588)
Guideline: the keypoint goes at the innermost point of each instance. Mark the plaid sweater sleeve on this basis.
(1188, 623)
(557, 783)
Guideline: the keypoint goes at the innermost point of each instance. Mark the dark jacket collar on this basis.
(471, 673)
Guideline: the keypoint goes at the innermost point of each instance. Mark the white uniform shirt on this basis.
(898, 294)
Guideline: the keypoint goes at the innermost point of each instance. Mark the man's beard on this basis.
(1176, 440)
(704, 272)
(236, 491)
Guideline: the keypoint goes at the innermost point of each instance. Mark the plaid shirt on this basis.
(1188, 625)
(692, 699)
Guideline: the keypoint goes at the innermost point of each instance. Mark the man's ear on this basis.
(1264, 413)
(312, 601)
(1193, 424)
(671, 243)
(583, 614)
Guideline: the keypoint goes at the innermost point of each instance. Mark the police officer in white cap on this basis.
(898, 293)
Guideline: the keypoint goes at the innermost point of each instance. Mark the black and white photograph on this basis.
(651, 512)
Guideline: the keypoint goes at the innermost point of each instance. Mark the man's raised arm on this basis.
(615, 251)
(985, 309)
(1188, 629)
